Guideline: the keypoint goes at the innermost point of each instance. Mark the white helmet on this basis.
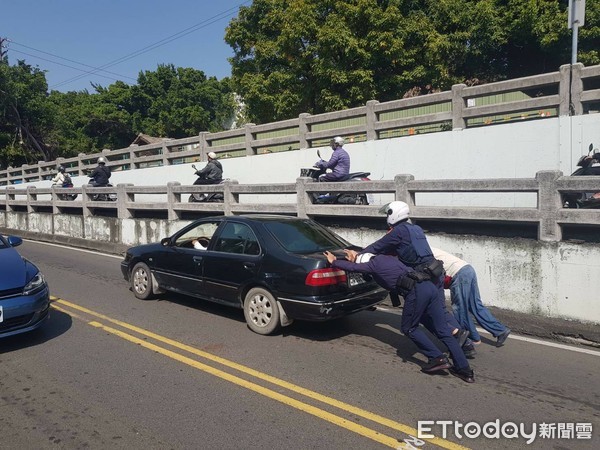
(396, 212)
(337, 142)
(363, 257)
(101, 160)
(212, 155)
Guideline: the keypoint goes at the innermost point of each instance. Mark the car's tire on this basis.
(261, 311)
(141, 281)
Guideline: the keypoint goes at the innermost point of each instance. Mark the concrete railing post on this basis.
(570, 89)
(549, 203)
(458, 105)
(164, 150)
(124, 197)
(31, 198)
(85, 199)
(172, 198)
(80, 165)
(402, 192)
(229, 198)
(371, 120)
(303, 130)
(10, 196)
(249, 138)
(54, 198)
(302, 197)
(204, 148)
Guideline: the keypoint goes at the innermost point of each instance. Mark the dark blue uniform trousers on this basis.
(422, 305)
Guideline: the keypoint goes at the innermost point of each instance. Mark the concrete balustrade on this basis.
(567, 91)
(171, 201)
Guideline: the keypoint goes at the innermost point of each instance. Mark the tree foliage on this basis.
(169, 102)
(294, 56)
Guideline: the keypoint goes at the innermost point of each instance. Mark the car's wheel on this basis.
(261, 311)
(141, 281)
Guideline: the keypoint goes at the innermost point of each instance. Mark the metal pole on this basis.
(574, 46)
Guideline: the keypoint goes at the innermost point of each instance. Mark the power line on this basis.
(157, 44)
(66, 59)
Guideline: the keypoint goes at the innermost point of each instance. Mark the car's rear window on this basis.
(304, 236)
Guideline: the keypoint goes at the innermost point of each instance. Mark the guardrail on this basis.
(297, 199)
(568, 91)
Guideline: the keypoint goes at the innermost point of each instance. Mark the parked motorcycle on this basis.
(587, 165)
(209, 197)
(343, 198)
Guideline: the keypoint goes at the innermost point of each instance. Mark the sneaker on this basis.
(502, 337)
(435, 364)
(469, 351)
(465, 374)
(462, 336)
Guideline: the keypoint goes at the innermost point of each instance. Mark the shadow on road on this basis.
(56, 324)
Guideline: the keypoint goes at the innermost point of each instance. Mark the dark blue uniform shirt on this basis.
(385, 269)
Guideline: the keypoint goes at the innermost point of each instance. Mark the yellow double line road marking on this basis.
(320, 413)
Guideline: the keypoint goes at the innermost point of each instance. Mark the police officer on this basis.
(407, 241)
(420, 305)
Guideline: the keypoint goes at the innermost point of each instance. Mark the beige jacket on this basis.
(452, 264)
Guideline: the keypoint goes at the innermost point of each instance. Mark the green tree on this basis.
(179, 102)
(293, 56)
(24, 115)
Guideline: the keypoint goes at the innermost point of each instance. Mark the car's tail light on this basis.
(325, 277)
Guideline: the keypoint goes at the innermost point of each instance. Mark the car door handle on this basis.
(198, 259)
(249, 265)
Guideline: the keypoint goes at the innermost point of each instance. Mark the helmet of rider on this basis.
(337, 142)
(396, 212)
(363, 257)
(212, 155)
(61, 169)
(101, 160)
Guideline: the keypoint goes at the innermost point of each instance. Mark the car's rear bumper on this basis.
(125, 270)
(24, 313)
(321, 309)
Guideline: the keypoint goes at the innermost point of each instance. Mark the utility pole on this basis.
(576, 19)
(3, 46)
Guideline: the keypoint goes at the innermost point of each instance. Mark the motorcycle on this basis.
(66, 197)
(587, 165)
(209, 197)
(111, 197)
(341, 198)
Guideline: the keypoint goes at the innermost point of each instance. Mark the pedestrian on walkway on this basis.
(466, 299)
(421, 305)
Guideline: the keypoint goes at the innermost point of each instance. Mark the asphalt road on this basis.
(110, 371)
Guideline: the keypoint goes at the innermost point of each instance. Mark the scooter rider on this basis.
(421, 305)
(100, 174)
(339, 163)
(62, 179)
(212, 172)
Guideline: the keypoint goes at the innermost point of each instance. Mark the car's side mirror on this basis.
(165, 242)
(14, 241)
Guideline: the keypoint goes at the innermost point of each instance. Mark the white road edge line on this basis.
(75, 249)
(524, 338)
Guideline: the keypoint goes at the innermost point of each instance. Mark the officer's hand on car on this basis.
(330, 257)
(351, 255)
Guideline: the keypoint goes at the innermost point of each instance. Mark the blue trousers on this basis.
(422, 305)
(466, 300)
